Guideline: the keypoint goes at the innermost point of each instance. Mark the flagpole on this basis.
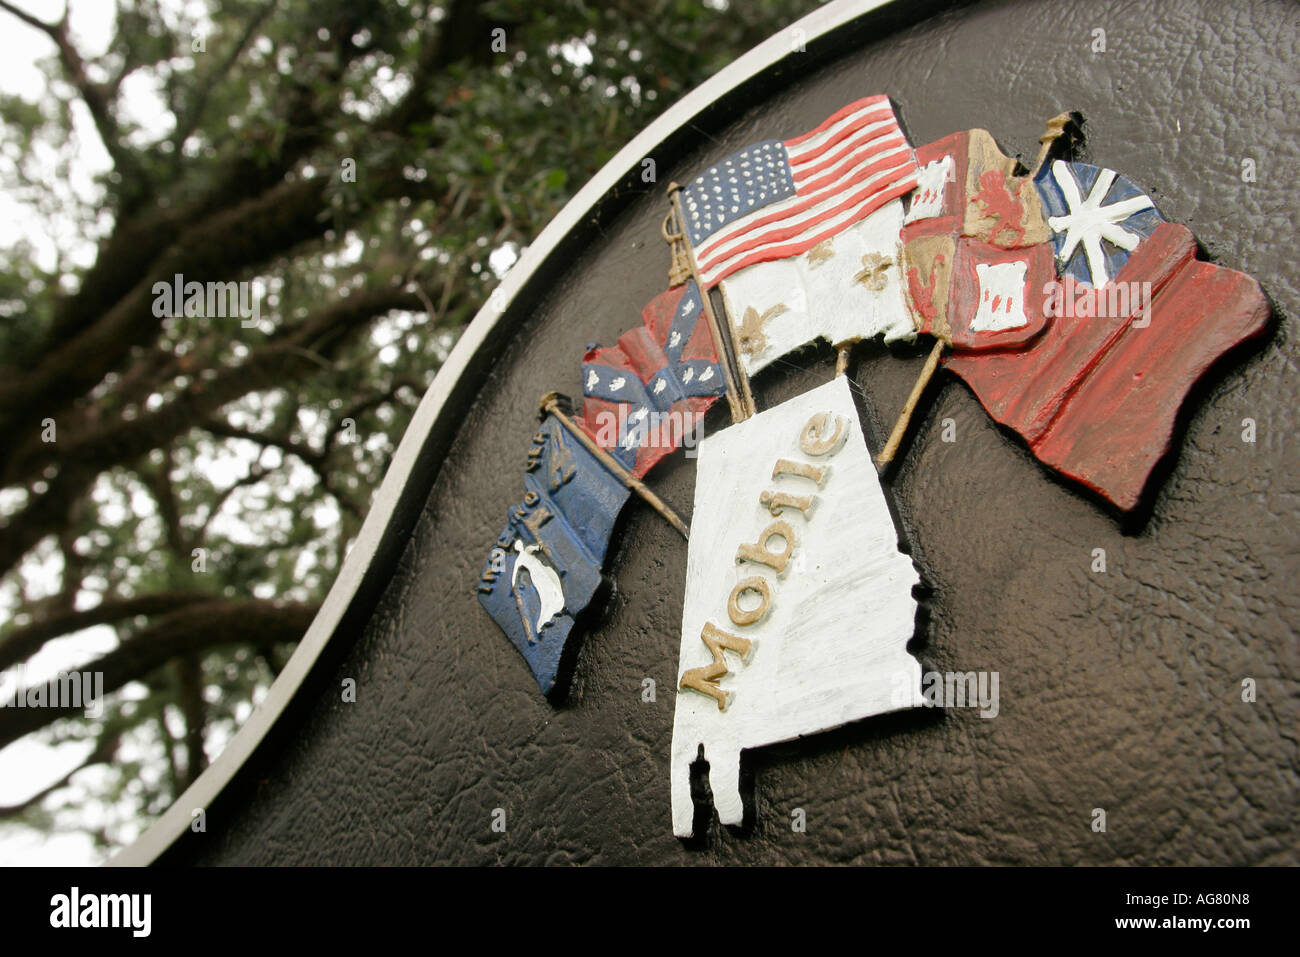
(905, 417)
(550, 404)
(1063, 124)
(842, 358)
(739, 395)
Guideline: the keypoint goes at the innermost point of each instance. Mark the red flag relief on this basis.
(1077, 315)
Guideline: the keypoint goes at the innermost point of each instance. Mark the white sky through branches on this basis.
(30, 764)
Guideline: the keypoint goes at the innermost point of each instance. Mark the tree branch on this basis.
(461, 35)
(94, 95)
(224, 245)
(84, 456)
(190, 630)
(21, 643)
(159, 482)
(189, 685)
(186, 125)
(49, 29)
(255, 474)
(285, 444)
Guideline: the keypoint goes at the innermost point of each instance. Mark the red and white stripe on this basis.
(844, 170)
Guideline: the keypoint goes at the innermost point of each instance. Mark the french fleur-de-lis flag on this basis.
(801, 235)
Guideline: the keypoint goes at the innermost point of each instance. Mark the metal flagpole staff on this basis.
(739, 396)
(550, 404)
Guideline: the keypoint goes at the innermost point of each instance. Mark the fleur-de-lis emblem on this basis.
(750, 335)
(872, 274)
(820, 253)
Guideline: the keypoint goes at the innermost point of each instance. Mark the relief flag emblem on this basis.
(1114, 322)
(1077, 315)
(646, 394)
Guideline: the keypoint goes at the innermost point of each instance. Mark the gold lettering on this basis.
(562, 467)
(705, 679)
(775, 502)
(737, 614)
(812, 442)
(536, 519)
(816, 473)
(759, 552)
(823, 435)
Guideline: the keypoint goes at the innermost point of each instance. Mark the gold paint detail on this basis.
(984, 155)
(843, 350)
(905, 417)
(760, 554)
(750, 337)
(705, 679)
(740, 616)
(873, 272)
(679, 266)
(1062, 126)
(822, 252)
(814, 473)
(927, 272)
(739, 396)
(777, 502)
(536, 519)
(562, 466)
(814, 440)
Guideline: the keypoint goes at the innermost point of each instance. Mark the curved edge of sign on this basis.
(435, 422)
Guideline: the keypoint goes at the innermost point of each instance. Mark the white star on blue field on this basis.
(757, 176)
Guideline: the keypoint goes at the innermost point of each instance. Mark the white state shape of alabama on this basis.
(833, 646)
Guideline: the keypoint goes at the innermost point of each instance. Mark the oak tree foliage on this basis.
(369, 167)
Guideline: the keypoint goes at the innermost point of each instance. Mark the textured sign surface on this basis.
(1120, 689)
